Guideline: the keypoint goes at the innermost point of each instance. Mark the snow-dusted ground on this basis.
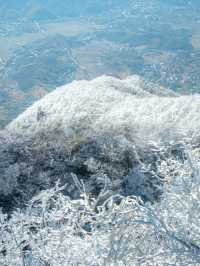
(129, 108)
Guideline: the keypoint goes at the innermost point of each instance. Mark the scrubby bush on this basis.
(55, 230)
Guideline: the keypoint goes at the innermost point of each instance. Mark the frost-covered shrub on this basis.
(29, 167)
(55, 230)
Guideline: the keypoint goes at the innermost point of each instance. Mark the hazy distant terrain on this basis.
(44, 45)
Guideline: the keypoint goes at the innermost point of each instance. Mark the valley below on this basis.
(38, 54)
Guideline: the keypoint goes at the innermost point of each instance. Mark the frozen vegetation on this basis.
(126, 154)
(55, 230)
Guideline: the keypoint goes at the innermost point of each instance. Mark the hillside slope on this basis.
(127, 107)
(106, 130)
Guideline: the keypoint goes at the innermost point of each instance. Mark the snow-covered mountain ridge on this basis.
(104, 130)
(108, 105)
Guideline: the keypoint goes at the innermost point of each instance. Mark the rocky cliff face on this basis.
(108, 132)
